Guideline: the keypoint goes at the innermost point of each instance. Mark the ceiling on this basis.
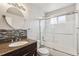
(46, 7)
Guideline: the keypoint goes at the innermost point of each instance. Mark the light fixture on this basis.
(18, 5)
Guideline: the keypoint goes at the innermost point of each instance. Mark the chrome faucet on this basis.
(16, 36)
(12, 40)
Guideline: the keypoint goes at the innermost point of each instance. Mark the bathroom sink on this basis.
(19, 43)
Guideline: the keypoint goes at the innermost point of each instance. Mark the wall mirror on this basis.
(15, 18)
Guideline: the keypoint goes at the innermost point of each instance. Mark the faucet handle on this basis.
(16, 39)
(12, 40)
(20, 39)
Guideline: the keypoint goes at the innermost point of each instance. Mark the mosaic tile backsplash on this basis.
(12, 34)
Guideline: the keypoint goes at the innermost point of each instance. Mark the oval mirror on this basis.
(15, 18)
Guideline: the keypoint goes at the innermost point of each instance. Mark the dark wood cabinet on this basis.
(30, 50)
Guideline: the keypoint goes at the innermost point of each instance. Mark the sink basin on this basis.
(19, 43)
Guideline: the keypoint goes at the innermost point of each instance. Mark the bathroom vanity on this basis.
(29, 49)
(12, 29)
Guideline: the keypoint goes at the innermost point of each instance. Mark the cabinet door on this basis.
(31, 53)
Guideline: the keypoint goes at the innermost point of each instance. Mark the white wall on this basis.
(33, 31)
(32, 22)
(4, 24)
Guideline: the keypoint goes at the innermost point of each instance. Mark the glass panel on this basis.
(53, 20)
(61, 19)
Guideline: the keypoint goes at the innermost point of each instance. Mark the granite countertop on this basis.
(4, 47)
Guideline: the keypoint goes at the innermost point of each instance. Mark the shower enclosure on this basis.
(61, 31)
